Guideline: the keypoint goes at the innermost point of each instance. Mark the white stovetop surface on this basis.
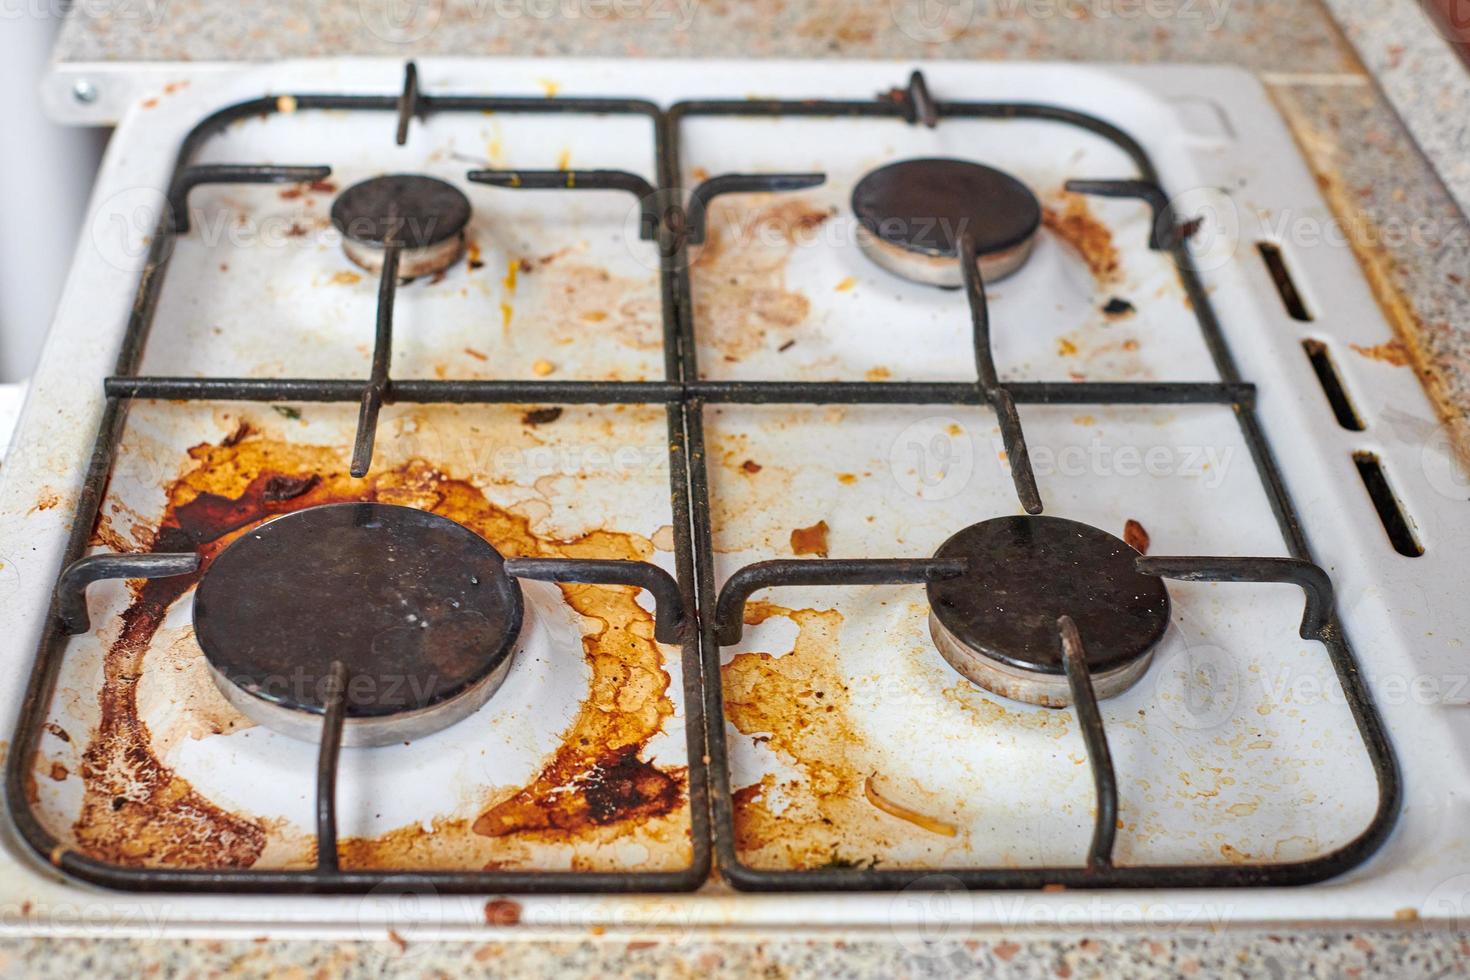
(1298, 782)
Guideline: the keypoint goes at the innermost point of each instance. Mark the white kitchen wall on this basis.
(46, 174)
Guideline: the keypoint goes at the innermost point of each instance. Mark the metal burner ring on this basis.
(996, 624)
(418, 607)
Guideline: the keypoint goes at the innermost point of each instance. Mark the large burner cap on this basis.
(418, 608)
(913, 213)
(997, 624)
(425, 215)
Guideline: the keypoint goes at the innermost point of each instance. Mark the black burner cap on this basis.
(418, 607)
(927, 205)
(414, 210)
(1025, 572)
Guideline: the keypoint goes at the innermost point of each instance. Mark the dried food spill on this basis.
(597, 788)
(1073, 221)
(741, 298)
(836, 811)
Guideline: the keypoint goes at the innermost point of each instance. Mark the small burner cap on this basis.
(425, 215)
(997, 624)
(418, 607)
(913, 213)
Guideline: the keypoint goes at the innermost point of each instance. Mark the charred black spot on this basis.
(622, 785)
(541, 416)
(279, 488)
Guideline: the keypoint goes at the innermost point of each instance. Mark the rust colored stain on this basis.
(738, 275)
(1390, 352)
(565, 295)
(1136, 536)
(48, 498)
(798, 702)
(136, 811)
(617, 786)
(1074, 223)
(810, 540)
(315, 187)
(502, 912)
(799, 706)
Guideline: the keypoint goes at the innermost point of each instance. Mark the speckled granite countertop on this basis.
(1402, 955)
(1399, 180)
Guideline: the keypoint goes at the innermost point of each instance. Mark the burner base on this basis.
(940, 270)
(426, 217)
(417, 607)
(412, 262)
(1047, 690)
(369, 732)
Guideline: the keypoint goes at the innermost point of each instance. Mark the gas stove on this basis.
(449, 482)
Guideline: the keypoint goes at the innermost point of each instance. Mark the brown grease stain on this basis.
(1074, 223)
(1136, 536)
(47, 499)
(136, 811)
(799, 707)
(1393, 352)
(502, 912)
(810, 540)
(738, 275)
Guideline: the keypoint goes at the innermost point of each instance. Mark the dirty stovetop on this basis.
(1317, 79)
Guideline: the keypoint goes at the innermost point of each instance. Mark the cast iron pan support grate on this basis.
(1098, 868)
(673, 226)
(671, 625)
(913, 105)
(370, 395)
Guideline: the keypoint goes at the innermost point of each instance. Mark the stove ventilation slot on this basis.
(1332, 386)
(1390, 510)
(1291, 297)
